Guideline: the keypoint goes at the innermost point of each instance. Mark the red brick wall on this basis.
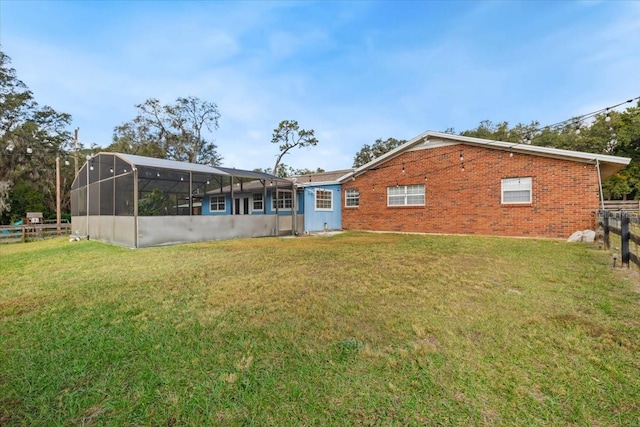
(565, 194)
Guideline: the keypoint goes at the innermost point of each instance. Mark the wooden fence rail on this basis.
(623, 205)
(626, 226)
(29, 232)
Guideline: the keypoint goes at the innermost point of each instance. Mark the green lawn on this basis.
(355, 329)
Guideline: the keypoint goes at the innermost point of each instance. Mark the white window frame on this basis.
(257, 198)
(322, 191)
(217, 203)
(516, 185)
(352, 198)
(287, 199)
(406, 195)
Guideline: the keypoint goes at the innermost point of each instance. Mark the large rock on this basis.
(587, 236)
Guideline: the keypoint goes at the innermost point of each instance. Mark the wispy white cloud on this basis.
(285, 44)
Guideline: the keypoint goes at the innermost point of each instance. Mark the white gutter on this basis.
(294, 207)
(600, 185)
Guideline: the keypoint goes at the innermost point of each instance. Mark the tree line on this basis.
(32, 136)
(611, 132)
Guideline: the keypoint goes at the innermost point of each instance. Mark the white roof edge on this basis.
(145, 161)
(345, 176)
(385, 156)
(489, 143)
(318, 183)
(537, 149)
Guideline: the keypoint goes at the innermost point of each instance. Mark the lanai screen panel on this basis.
(165, 187)
(95, 164)
(79, 201)
(123, 205)
(167, 192)
(106, 197)
(110, 187)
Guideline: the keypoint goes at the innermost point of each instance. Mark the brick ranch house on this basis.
(443, 183)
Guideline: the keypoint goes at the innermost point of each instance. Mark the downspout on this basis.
(277, 214)
(232, 201)
(135, 207)
(264, 197)
(294, 208)
(190, 193)
(600, 185)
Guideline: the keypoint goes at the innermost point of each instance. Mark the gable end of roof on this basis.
(609, 164)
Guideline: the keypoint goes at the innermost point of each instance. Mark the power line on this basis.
(554, 127)
(579, 119)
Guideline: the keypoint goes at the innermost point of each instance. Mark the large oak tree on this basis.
(179, 131)
(31, 137)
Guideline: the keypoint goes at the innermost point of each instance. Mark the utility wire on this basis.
(553, 127)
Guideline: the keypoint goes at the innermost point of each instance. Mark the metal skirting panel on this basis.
(123, 232)
(79, 225)
(168, 230)
(285, 224)
(119, 230)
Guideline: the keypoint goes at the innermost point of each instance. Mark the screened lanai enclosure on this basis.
(138, 201)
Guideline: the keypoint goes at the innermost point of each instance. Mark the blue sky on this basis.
(352, 71)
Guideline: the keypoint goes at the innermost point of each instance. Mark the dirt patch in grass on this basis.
(632, 274)
(17, 306)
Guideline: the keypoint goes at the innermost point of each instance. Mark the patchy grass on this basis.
(355, 329)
